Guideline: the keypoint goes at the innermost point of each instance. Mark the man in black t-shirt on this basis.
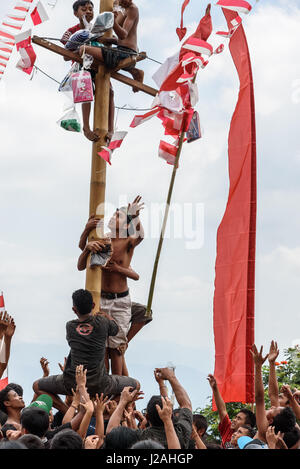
(86, 337)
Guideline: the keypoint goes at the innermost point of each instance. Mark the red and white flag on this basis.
(194, 44)
(219, 49)
(3, 378)
(138, 120)
(9, 27)
(39, 14)
(181, 32)
(167, 151)
(235, 5)
(116, 142)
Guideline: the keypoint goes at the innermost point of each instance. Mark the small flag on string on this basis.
(137, 120)
(167, 151)
(39, 14)
(116, 142)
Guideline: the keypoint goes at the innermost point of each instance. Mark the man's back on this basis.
(87, 343)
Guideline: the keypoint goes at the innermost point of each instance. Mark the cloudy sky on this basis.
(44, 196)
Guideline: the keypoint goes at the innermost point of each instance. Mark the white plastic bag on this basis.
(70, 121)
(66, 84)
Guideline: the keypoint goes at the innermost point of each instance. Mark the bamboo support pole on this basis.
(163, 229)
(98, 169)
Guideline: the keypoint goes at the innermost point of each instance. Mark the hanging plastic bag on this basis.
(82, 87)
(66, 84)
(70, 121)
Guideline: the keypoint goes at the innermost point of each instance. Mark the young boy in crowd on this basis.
(85, 9)
(126, 233)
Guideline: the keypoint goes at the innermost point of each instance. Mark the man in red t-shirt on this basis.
(226, 426)
(81, 8)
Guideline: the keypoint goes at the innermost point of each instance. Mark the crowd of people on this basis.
(98, 410)
(92, 403)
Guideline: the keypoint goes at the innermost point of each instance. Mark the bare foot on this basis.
(137, 75)
(90, 135)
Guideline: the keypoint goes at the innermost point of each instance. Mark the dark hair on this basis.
(200, 422)
(6, 427)
(31, 442)
(83, 301)
(147, 444)
(285, 421)
(3, 417)
(4, 397)
(251, 431)
(66, 439)
(15, 387)
(80, 3)
(121, 438)
(14, 444)
(292, 437)
(35, 421)
(250, 417)
(152, 413)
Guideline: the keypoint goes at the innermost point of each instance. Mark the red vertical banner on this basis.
(236, 241)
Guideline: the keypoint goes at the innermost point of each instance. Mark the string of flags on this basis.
(10, 30)
(176, 79)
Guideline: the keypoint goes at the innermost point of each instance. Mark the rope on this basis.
(121, 108)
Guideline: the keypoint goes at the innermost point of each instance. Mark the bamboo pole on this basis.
(163, 229)
(98, 169)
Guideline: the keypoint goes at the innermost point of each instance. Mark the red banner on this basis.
(236, 239)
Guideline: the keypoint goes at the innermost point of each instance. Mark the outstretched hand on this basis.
(273, 352)
(101, 403)
(45, 367)
(135, 207)
(212, 382)
(165, 373)
(80, 376)
(258, 358)
(165, 413)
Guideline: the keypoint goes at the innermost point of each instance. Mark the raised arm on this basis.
(100, 408)
(136, 229)
(9, 331)
(221, 406)
(180, 393)
(261, 419)
(292, 400)
(273, 384)
(112, 266)
(126, 397)
(165, 414)
(163, 391)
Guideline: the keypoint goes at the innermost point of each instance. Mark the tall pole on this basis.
(98, 171)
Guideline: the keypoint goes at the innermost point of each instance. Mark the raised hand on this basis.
(286, 390)
(101, 403)
(135, 207)
(110, 407)
(62, 367)
(76, 398)
(164, 373)
(212, 382)
(80, 376)
(45, 367)
(258, 358)
(158, 377)
(165, 413)
(11, 327)
(93, 223)
(273, 352)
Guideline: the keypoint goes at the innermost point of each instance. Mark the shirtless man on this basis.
(125, 27)
(126, 233)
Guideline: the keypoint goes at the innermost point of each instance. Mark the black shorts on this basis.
(138, 314)
(110, 385)
(112, 56)
(53, 384)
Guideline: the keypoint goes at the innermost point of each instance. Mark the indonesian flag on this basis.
(138, 120)
(28, 58)
(194, 44)
(22, 6)
(236, 22)
(167, 151)
(236, 5)
(39, 14)
(4, 377)
(116, 142)
(23, 39)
